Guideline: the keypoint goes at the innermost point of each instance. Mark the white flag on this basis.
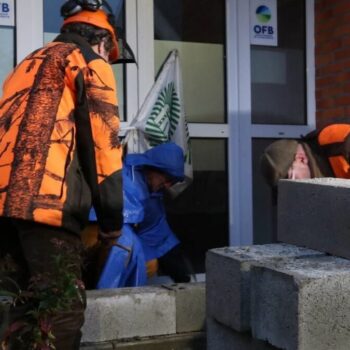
(161, 117)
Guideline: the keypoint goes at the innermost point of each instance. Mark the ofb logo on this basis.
(263, 14)
(164, 118)
(7, 17)
(4, 9)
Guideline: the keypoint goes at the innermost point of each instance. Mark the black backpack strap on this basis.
(84, 139)
(85, 143)
(311, 139)
(338, 149)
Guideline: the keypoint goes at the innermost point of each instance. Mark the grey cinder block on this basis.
(123, 313)
(313, 213)
(97, 346)
(228, 279)
(302, 304)
(220, 337)
(190, 306)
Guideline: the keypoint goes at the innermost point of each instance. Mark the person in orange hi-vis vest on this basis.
(322, 153)
(59, 155)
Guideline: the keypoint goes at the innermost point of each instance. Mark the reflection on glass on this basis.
(52, 25)
(264, 204)
(7, 58)
(190, 27)
(279, 73)
(199, 215)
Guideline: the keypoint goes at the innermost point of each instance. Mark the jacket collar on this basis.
(76, 39)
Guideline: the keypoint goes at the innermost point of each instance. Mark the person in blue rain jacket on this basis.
(145, 178)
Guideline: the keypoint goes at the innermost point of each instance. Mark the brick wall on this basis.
(332, 60)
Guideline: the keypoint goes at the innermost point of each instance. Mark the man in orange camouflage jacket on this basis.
(321, 153)
(59, 155)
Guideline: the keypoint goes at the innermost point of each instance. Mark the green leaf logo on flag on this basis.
(165, 116)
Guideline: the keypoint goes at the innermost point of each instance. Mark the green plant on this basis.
(45, 295)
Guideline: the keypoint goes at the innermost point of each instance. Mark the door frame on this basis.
(239, 130)
(29, 26)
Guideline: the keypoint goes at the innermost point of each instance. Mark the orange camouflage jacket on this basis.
(59, 147)
(332, 146)
(334, 141)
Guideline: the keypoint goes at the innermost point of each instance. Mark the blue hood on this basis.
(168, 157)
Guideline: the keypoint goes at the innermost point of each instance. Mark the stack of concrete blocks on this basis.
(142, 317)
(228, 292)
(286, 295)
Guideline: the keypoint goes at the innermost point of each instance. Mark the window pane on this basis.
(199, 215)
(7, 57)
(279, 73)
(190, 27)
(52, 25)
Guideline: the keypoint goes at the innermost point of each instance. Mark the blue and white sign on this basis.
(7, 13)
(263, 22)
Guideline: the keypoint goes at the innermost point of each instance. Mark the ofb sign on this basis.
(263, 22)
(7, 13)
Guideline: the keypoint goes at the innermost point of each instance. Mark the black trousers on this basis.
(31, 247)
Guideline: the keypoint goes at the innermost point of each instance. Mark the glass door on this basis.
(20, 29)
(282, 98)
(7, 58)
(196, 29)
(238, 98)
(7, 38)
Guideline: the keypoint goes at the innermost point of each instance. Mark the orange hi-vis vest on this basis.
(59, 147)
(334, 141)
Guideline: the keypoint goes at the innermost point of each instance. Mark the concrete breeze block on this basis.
(313, 213)
(190, 306)
(97, 346)
(228, 279)
(302, 304)
(123, 313)
(220, 337)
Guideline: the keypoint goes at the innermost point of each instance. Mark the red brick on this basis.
(324, 82)
(324, 59)
(344, 18)
(342, 100)
(342, 77)
(330, 91)
(323, 16)
(325, 103)
(328, 46)
(346, 87)
(321, 122)
(331, 113)
(341, 30)
(345, 41)
(324, 28)
(322, 5)
(342, 54)
(331, 69)
(340, 7)
(332, 60)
